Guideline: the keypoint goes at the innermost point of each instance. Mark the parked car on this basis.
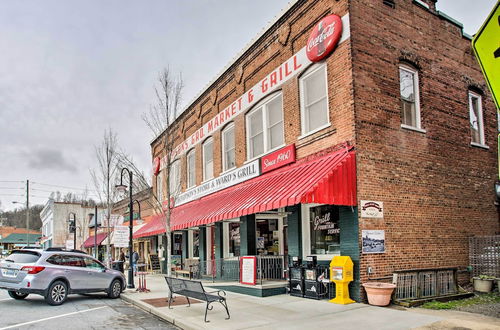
(54, 273)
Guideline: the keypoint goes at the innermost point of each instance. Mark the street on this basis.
(94, 311)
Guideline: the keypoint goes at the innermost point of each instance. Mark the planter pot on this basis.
(483, 285)
(379, 294)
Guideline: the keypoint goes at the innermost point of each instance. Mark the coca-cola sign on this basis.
(278, 159)
(324, 37)
(156, 165)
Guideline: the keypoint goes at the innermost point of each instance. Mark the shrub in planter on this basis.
(483, 283)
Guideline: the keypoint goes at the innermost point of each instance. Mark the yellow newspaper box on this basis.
(341, 272)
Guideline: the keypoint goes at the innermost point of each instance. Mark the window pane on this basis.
(255, 123)
(174, 178)
(229, 150)
(274, 111)
(325, 231)
(257, 145)
(234, 239)
(275, 136)
(408, 113)
(475, 124)
(407, 85)
(196, 243)
(208, 156)
(316, 115)
(191, 177)
(315, 86)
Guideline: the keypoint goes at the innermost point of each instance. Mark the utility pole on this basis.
(28, 212)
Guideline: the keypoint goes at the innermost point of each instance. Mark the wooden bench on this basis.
(195, 290)
(188, 268)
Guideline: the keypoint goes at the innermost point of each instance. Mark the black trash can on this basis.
(117, 265)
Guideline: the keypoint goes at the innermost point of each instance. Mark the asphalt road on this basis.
(94, 311)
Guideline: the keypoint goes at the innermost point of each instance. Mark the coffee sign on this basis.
(277, 159)
(324, 38)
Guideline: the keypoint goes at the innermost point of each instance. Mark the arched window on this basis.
(208, 159)
(191, 168)
(410, 97)
(314, 99)
(265, 126)
(175, 178)
(228, 148)
(476, 119)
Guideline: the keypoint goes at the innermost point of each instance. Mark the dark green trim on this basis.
(252, 291)
(294, 231)
(349, 244)
(247, 235)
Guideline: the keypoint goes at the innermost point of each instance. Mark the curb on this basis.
(151, 310)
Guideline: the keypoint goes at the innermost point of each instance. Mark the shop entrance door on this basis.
(269, 235)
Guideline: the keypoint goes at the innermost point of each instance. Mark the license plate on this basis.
(9, 272)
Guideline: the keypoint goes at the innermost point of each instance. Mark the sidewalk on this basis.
(287, 312)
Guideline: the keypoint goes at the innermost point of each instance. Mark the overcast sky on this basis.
(71, 69)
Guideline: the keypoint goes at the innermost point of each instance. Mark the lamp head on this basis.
(121, 188)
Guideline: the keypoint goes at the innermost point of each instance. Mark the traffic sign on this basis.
(486, 45)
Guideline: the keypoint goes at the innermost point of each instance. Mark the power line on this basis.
(10, 188)
(13, 181)
(66, 187)
(12, 195)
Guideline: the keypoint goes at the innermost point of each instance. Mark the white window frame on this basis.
(191, 171)
(480, 119)
(159, 186)
(309, 72)
(224, 131)
(306, 233)
(175, 178)
(207, 176)
(418, 117)
(263, 105)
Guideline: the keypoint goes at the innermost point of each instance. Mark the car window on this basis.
(55, 259)
(73, 261)
(23, 257)
(91, 263)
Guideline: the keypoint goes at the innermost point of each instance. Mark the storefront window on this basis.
(267, 237)
(234, 239)
(196, 243)
(325, 231)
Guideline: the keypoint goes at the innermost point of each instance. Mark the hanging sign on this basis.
(121, 236)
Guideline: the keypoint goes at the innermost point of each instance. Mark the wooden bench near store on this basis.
(187, 269)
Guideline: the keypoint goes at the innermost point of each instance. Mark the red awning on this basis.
(89, 242)
(329, 179)
(154, 227)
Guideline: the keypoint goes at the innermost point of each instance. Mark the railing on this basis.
(424, 283)
(269, 268)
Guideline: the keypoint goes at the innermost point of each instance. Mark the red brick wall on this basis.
(437, 189)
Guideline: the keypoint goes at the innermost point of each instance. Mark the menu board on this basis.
(154, 262)
(248, 270)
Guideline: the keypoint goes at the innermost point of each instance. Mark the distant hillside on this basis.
(17, 218)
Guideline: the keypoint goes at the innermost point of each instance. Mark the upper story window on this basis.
(175, 178)
(159, 186)
(208, 159)
(410, 104)
(191, 168)
(265, 126)
(476, 119)
(314, 99)
(228, 148)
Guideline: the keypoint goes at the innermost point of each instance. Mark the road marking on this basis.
(51, 318)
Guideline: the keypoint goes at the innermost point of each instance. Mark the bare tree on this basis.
(159, 119)
(103, 177)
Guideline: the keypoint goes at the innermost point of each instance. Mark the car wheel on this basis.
(17, 295)
(57, 293)
(115, 289)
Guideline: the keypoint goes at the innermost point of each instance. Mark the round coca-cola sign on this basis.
(156, 166)
(324, 37)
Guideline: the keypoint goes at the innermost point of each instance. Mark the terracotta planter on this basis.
(483, 285)
(379, 294)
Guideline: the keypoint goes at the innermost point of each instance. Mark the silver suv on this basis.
(54, 273)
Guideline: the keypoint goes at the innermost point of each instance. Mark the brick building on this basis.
(370, 133)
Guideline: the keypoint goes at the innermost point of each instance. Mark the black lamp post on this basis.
(72, 227)
(122, 187)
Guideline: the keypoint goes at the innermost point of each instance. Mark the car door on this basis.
(75, 271)
(98, 277)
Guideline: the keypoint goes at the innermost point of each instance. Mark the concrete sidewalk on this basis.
(287, 312)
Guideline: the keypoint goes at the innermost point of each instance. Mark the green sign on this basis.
(486, 45)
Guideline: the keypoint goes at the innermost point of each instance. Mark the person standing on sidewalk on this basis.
(135, 259)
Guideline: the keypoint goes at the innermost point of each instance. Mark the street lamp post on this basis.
(122, 187)
(27, 218)
(72, 227)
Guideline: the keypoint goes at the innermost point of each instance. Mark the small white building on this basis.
(55, 223)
